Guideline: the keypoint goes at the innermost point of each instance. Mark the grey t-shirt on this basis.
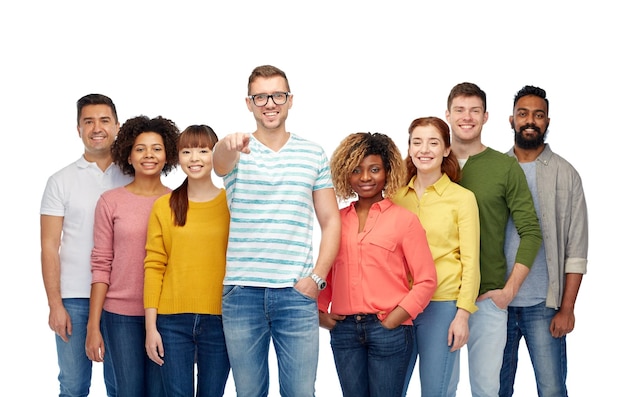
(535, 288)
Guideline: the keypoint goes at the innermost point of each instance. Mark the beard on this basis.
(529, 143)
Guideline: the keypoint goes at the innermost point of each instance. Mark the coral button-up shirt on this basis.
(372, 268)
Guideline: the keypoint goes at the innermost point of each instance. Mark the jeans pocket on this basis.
(228, 291)
(491, 302)
(303, 295)
(380, 323)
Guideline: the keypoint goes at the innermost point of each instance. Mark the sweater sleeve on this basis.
(102, 252)
(156, 252)
(524, 216)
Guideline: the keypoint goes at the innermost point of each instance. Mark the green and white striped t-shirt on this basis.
(270, 196)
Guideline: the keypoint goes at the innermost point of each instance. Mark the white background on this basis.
(353, 66)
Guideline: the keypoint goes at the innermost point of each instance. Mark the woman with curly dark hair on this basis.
(383, 246)
(146, 149)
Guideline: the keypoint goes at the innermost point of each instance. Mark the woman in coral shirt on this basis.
(371, 301)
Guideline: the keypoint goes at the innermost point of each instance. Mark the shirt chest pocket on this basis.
(380, 252)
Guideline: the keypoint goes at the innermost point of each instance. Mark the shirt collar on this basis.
(439, 187)
(382, 205)
(543, 158)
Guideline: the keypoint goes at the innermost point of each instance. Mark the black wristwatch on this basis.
(321, 283)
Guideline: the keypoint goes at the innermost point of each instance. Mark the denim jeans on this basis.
(74, 365)
(371, 360)
(193, 338)
(485, 349)
(253, 316)
(135, 373)
(436, 362)
(548, 354)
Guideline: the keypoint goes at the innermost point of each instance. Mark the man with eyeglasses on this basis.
(276, 182)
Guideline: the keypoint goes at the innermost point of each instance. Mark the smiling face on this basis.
(369, 178)
(97, 127)
(270, 116)
(148, 155)
(427, 149)
(466, 117)
(530, 122)
(196, 162)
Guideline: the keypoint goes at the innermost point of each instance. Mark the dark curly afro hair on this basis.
(132, 128)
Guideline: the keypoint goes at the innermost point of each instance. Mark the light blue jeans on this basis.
(125, 341)
(485, 349)
(254, 315)
(74, 365)
(371, 360)
(436, 362)
(548, 354)
(193, 339)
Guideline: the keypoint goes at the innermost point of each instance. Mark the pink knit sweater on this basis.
(121, 223)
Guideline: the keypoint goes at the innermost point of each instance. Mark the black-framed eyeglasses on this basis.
(279, 98)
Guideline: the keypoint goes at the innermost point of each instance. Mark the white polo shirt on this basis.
(72, 193)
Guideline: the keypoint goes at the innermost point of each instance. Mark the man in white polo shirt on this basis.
(67, 218)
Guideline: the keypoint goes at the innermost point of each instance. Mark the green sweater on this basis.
(501, 190)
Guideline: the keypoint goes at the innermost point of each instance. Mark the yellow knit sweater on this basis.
(185, 266)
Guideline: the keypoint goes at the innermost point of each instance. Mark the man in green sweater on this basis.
(501, 190)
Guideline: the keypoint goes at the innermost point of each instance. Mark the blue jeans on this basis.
(125, 339)
(436, 362)
(253, 316)
(370, 359)
(190, 339)
(74, 365)
(548, 354)
(485, 349)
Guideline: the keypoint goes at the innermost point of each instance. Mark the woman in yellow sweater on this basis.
(184, 270)
(449, 214)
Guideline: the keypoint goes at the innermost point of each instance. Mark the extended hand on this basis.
(239, 141)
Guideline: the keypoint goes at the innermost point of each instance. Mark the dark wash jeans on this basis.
(371, 360)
